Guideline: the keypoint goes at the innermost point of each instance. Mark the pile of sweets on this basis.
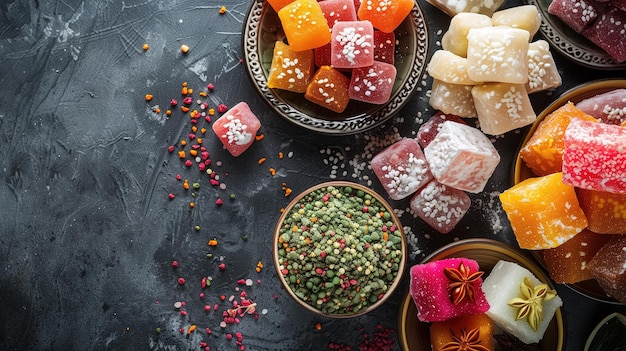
(487, 67)
(337, 51)
(603, 22)
(237, 128)
(455, 158)
(574, 210)
(462, 308)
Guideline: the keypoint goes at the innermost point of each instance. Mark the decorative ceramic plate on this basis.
(571, 44)
(414, 335)
(588, 288)
(609, 334)
(262, 29)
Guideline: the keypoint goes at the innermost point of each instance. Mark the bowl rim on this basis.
(458, 246)
(401, 267)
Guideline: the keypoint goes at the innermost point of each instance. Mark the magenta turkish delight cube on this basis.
(609, 107)
(401, 168)
(338, 10)
(429, 130)
(608, 32)
(440, 206)
(429, 289)
(373, 84)
(577, 14)
(462, 157)
(594, 157)
(237, 128)
(352, 44)
(384, 46)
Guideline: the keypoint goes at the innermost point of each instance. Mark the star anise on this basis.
(468, 341)
(461, 284)
(530, 305)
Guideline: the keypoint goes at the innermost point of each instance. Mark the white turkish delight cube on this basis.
(449, 68)
(502, 107)
(453, 7)
(525, 17)
(462, 157)
(498, 54)
(542, 71)
(454, 99)
(455, 39)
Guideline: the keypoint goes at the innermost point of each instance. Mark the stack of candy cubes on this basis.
(337, 52)
(574, 208)
(463, 309)
(448, 159)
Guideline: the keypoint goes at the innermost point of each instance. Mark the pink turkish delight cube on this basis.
(609, 107)
(338, 10)
(429, 130)
(401, 168)
(429, 290)
(595, 156)
(373, 84)
(440, 206)
(384, 46)
(608, 32)
(237, 128)
(352, 44)
(461, 157)
(577, 14)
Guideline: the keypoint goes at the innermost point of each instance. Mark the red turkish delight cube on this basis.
(373, 84)
(595, 156)
(428, 131)
(384, 46)
(607, 267)
(608, 32)
(609, 107)
(237, 128)
(338, 10)
(352, 44)
(440, 206)
(322, 55)
(577, 14)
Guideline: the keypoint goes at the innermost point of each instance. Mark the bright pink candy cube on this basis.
(595, 156)
(338, 10)
(429, 290)
(401, 168)
(373, 84)
(462, 157)
(440, 206)
(429, 130)
(384, 46)
(352, 44)
(237, 128)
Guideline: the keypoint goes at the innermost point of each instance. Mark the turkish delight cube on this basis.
(454, 7)
(542, 71)
(373, 84)
(568, 263)
(401, 168)
(605, 212)
(279, 4)
(498, 54)
(462, 157)
(543, 212)
(446, 332)
(237, 128)
(577, 14)
(290, 70)
(503, 285)
(608, 33)
(384, 46)
(454, 99)
(440, 206)
(502, 107)
(338, 10)
(352, 44)
(543, 152)
(609, 107)
(595, 156)
(429, 289)
(525, 17)
(607, 267)
(429, 130)
(455, 38)
(385, 15)
(449, 68)
(329, 89)
(304, 25)
(322, 55)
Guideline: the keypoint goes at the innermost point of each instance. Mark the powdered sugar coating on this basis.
(440, 206)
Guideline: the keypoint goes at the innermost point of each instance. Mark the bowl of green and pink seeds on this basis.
(339, 249)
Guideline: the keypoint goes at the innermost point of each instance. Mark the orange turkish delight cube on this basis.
(305, 25)
(385, 15)
(567, 263)
(543, 153)
(329, 89)
(606, 212)
(543, 212)
(279, 4)
(290, 70)
(444, 333)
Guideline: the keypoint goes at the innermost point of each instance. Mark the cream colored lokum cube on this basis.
(455, 39)
(498, 54)
(542, 71)
(453, 7)
(453, 99)
(525, 17)
(449, 68)
(502, 107)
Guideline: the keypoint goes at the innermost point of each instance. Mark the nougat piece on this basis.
(607, 267)
(542, 71)
(502, 107)
(525, 17)
(498, 54)
(329, 89)
(606, 212)
(455, 99)
(455, 38)
(449, 68)
(304, 25)
(290, 70)
(440, 206)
